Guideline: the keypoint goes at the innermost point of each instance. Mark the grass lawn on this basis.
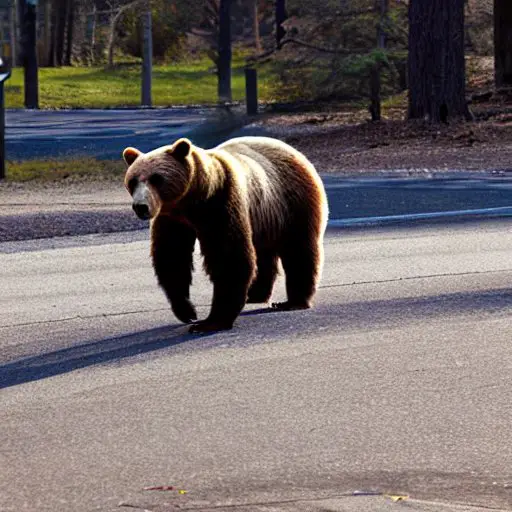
(185, 83)
(64, 169)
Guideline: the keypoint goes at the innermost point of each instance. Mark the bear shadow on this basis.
(115, 349)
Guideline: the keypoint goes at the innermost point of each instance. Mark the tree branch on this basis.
(118, 10)
(333, 51)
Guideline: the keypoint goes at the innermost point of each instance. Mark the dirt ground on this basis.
(393, 145)
(341, 139)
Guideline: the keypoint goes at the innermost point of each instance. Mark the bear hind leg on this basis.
(261, 288)
(302, 261)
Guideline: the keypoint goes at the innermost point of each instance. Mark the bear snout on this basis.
(141, 210)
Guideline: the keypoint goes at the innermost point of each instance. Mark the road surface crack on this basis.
(412, 278)
(82, 317)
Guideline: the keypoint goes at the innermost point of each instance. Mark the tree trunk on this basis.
(436, 64)
(375, 82)
(46, 38)
(91, 34)
(280, 19)
(224, 62)
(147, 58)
(52, 55)
(503, 43)
(12, 32)
(60, 31)
(112, 39)
(19, 36)
(114, 20)
(70, 32)
(256, 27)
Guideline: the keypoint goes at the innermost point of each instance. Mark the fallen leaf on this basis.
(396, 497)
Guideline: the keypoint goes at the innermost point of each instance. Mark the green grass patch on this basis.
(185, 83)
(64, 169)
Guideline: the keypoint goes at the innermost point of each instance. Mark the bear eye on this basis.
(132, 184)
(155, 180)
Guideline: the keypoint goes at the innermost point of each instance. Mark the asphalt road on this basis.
(398, 381)
(105, 133)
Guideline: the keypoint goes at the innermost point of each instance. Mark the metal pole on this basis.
(29, 53)
(251, 91)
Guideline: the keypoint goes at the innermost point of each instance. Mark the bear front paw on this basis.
(210, 326)
(184, 311)
(290, 306)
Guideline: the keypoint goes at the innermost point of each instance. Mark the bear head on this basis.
(158, 179)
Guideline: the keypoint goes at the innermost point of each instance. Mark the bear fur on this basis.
(250, 202)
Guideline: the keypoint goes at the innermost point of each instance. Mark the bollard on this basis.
(5, 73)
(251, 91)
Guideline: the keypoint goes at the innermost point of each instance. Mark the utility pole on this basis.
(27, 9)
(147, 57)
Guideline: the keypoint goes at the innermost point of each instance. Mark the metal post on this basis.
(29, 54)
(251, 91)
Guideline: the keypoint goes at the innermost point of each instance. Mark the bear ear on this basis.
(130, 155)
(181, 149)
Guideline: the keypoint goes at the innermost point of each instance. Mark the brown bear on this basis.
(250, 202)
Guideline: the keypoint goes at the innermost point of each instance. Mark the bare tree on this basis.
(116, 11)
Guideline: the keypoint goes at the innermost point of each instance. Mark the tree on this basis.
(13, 34)
(224, 51)
(70, 32)
(503, 42)
(436, 60)
(147, 56)
(375, 79)
(280, 19)
(61, 14)
(256, 26)
(116, 11)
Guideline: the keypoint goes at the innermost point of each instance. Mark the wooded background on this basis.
(322, 50)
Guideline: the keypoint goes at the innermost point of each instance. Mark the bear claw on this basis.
(290, 306)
